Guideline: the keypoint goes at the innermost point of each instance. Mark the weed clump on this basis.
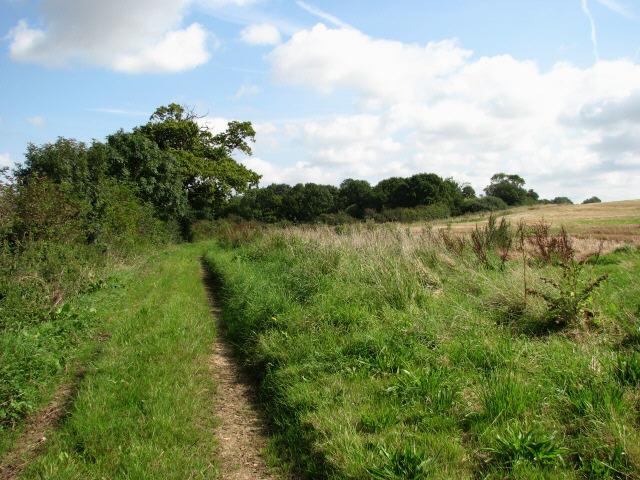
(408, 463)
(522, 445)
(567, 295)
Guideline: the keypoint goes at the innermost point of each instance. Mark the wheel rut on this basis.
(242, 431)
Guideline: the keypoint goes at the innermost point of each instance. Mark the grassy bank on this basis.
(143, 409)
(384, 353)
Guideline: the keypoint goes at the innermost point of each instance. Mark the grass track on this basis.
(144, 408)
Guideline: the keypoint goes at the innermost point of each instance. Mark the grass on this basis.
(383, 354)
(144, 408)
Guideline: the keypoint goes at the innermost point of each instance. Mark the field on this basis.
(396, 352)
(615, 222)
(468, 349)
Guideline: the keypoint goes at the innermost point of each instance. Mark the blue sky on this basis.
(339, 89)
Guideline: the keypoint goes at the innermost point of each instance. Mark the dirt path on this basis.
(242, 431)
(28, 445)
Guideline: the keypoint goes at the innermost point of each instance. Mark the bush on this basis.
(592, 200)
(484, 204)
(417, 214)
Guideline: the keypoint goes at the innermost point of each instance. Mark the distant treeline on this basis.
(423, 196)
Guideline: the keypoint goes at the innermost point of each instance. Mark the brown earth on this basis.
(242, 431)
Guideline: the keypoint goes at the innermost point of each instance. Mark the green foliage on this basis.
(627, 368)
(144, 407)
(489, 237)
(510, 188)
(519, 445)
(429, 386)
(150, 172)
(483, 204)
(209, 175)
(45, 211)
(610, 463)
(374, 336)
(562, 201)
(417, 214)
(468, 192)
(408, 463)
(567, 295)
(592, 200)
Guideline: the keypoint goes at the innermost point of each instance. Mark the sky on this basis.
(367, 89)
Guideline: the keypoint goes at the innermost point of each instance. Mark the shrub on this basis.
(592, 200)
(566, 296)
(44, 211)
(417, 214)
(483, 204)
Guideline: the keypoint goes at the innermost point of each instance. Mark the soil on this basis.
(242, 431)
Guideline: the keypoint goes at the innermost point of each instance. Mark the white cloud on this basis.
(247, 91)
(329, 59)
(262, 34)
(300, 172)
(5, 160)
(133, 37)
(617, 7)
(568, 131)
(178, 50)
(214, 124)
(37, 121)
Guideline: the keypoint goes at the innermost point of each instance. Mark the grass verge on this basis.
(381, 354)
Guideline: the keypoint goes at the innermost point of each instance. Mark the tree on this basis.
(510, 188)
(592, 200)
(468, 191)
(355, 196)
(562, 201)
(153, 174)
(393, 192)
(64, 161)
(210, 175)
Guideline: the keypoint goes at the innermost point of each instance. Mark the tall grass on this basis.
(384, 352)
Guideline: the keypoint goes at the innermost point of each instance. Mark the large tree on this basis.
(210, 175)
(510, 188)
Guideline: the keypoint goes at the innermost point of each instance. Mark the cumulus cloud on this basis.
(5, 160)
(300, 172)
(214, 124)
(37, 121)
(132, 37)
(330, 59)
(262, 34)
(436, 107)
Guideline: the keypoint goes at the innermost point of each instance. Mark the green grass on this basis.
(144, 408)
(382, 355)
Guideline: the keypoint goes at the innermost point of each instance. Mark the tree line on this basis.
(423, 196)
